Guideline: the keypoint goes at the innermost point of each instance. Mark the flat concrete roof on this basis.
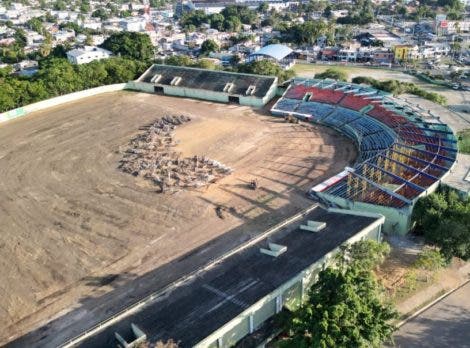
(195, 310)
(209, 80)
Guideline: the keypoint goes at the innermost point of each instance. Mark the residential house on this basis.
(87, 54)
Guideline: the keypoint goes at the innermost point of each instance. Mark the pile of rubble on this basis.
(152, 156)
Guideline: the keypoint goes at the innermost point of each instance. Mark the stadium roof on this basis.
(209, 80)
(193, 311)
(275, 51)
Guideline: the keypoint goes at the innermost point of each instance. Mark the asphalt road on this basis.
(446, 324)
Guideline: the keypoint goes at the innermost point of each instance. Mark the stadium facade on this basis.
(213, 85)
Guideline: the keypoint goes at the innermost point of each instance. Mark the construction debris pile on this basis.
(152, 155)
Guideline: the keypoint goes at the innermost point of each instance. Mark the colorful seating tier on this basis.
(317, 110)
(354, 102)
(329, 96)
(405, 155)
(296, 92)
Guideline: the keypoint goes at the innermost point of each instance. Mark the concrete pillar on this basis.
(278, 303)
(252, 324)
(220, 342)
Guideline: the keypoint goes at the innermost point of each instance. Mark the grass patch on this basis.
(464, 141)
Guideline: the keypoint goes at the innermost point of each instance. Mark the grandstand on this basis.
(403, 154)
(219, 86)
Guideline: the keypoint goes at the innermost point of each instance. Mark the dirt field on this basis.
(69, 218)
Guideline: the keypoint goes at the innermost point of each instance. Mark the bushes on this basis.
(430, 260)
(397, 87)
(333, 73)
(464, 141)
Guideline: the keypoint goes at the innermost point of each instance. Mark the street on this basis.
(446, 324)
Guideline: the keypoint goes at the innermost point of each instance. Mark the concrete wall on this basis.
(397, 221)
(22, 111)
(218, 97)
(291, 293)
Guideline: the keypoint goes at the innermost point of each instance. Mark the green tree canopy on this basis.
(129, 44)
(209, 46)
(444, 220)
(266, 67)
(56, 76)
(346, 306)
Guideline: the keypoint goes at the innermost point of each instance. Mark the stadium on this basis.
(403, 153)
(112, 260)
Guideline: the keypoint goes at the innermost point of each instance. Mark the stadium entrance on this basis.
(233, 99)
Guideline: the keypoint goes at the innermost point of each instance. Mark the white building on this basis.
(92, 25)
(133, 24)
(87, 54)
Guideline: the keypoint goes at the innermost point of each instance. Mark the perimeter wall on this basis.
(25, 110)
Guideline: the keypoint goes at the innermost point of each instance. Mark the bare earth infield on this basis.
(69, 218)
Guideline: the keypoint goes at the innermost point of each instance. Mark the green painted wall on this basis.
(219, 97)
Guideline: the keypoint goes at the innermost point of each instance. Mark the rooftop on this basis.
(210, 80)
(276, 51)
(193, 311)
(84, 50)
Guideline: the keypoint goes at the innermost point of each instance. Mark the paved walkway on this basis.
(446, 324)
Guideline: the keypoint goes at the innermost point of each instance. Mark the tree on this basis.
(217, 21)
(100, 13)
(205, 64)
(263, 7)
(60, 5)
(266, 67)
(209, 46)
(232, 24)
(20, 38)
(444, 220)
(89, 40)
(346, 306)
(129, 44)
(243, 13)
(333, 73)
(35, 24)
(56, 76)
(179, 60)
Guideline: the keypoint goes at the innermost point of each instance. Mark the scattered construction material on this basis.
(220, 212)
(152, 155)
(254, 184)
(291, 119)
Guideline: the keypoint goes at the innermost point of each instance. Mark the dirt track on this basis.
(69, 218)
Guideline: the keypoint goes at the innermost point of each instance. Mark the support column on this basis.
(278, 303)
